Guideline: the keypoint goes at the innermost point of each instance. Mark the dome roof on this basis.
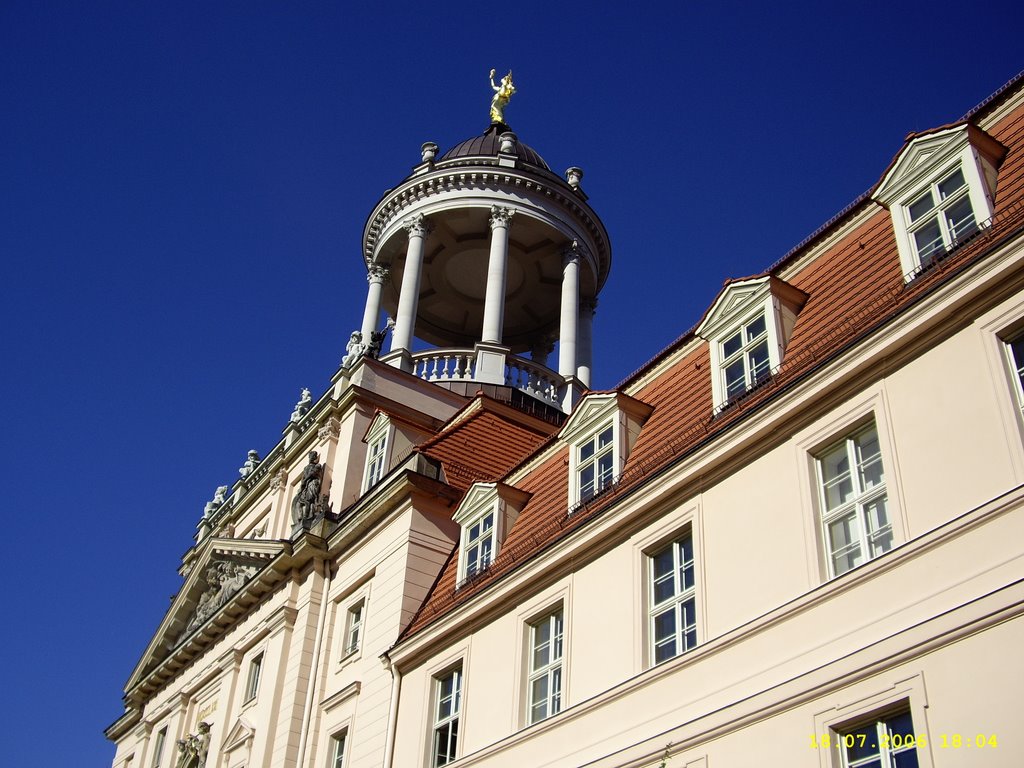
(488, 144)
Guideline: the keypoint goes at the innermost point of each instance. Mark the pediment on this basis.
(596, 408)
(739, 297)
(240, 735)
(482, 495)
(926, 156)
(221, 570)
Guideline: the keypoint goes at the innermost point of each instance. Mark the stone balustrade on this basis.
(445, 365)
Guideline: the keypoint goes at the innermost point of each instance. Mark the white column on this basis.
(570, 310)
(418, 227)
(585, 349)
(376, 277)
(497, 271)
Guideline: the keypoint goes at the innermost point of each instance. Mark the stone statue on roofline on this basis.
(502, 93)
(301, 407)
(251, 462)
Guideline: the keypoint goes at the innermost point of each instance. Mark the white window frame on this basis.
(355, 618)
(446, 724)
(601, 460)
(754, 373)
(158, 747)
(925, 163)
(859, 502)
(592, 416)
(338, 744)
(741, 304)
(1016, 366)
(480, 543)
(938, 215)
(252, 680)
(888, 744)
(377, 444)
(682, 601)
(550, 672)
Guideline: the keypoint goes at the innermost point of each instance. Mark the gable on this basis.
(223, 569)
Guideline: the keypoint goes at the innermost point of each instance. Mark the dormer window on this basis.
(376, 451)
(745, 358)
(480, 544)
(601, 432)
(940, 192)
(595, 464)
(748, 328)
(486, 515)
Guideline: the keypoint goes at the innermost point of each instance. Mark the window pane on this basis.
(1017, 350)
(732, 345)
(685, 554)
(664, 584)
(665, 626)
(879, 528)
(605, 466)
(835, 470)
(907, 759)
(755, 328)
(921, 206)
(539, 697)
(960, 219)
(862, 742)
(869, 459)
(586, 451)
(951, 184)
(928, 241)
(844, 543)
(541, 645)
(605, 438)
(735, 379)
(587, 481)
(760, 367)
(689, 623)
(556, 691)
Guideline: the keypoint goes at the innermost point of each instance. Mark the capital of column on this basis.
(571, 254)
(418, 225)
(377, 274)
(501, 216)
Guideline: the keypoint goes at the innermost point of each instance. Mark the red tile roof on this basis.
(854, 288)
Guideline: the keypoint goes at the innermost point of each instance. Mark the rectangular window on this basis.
(353, 627)
(595, 465)
(158, 746)
(375, 454)
(745, 358)
(252, 684)
(1015, 352)
(672, 600)
(885, 742)
(941, 217)
(447, 704)
(480, 545)
(337, 751)
(854, 519)
(545, 679)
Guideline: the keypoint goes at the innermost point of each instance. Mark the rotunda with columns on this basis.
(495, 262)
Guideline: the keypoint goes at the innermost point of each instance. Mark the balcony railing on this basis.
(453, 365)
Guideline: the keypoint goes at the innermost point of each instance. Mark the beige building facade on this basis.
(794, 538)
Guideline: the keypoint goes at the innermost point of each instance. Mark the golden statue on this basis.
(502, 93)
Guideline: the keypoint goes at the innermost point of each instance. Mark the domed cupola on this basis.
(489, 256)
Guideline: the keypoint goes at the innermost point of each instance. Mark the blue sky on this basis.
(183, 188)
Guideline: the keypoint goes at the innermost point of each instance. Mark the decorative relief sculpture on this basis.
(308, 503)
(301, 407)
(224, 579)
(331, 429)
(251, 462)
(192, 750)
(278, 480)
(502, 94)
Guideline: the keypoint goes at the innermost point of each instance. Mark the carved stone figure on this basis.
(301, 407)
(305, 503)
(353, 350)
(251, 462)
(502, 94)
(377, 338)
(223, 581)
(193, 749)
(219, 497)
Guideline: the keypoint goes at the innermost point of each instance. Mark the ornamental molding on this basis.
(331, 429)
(377, 274)
(418, 226)
(441, 184)
(501, 216)
(278, 480)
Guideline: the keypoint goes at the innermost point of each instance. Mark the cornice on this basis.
(413, 192)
